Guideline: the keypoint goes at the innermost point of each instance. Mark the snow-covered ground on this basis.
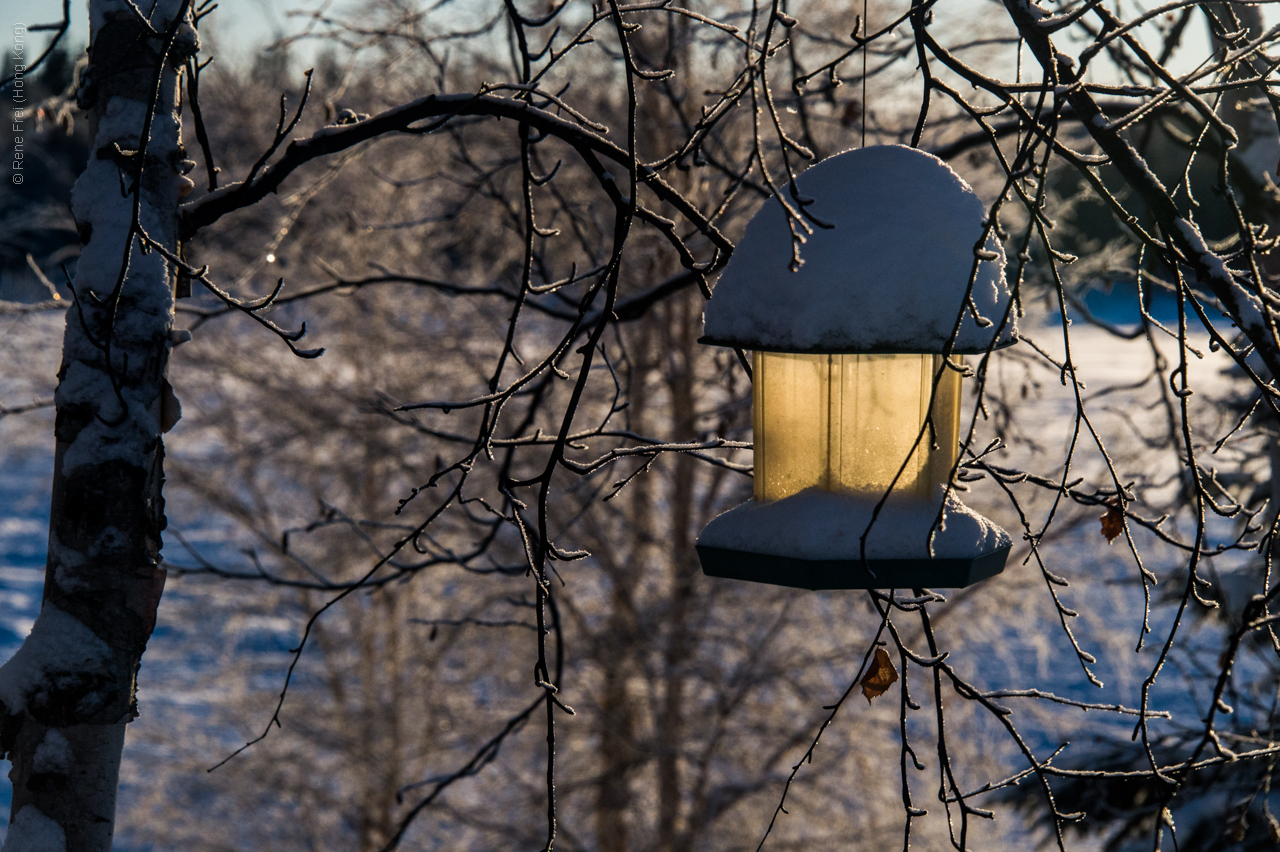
(1111, 604)
(27, 366)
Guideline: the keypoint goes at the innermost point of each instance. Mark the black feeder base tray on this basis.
(817, 574)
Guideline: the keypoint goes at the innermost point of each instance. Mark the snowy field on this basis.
(27, 367)
(179, 673)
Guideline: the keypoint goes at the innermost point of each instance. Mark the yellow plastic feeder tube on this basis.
(854, 423)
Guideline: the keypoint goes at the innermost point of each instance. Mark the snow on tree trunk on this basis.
(68, 692)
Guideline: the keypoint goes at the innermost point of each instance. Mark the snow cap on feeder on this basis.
(856, 410)
(890, 275)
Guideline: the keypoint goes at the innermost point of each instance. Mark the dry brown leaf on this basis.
(1113, 522)
(852, 113)
(879, 677)
(1238, 827)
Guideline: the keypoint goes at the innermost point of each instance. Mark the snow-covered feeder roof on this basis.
(890, 276)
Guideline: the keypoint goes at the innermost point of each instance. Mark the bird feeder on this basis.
(857, 361)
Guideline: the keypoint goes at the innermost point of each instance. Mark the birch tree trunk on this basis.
(68, 692)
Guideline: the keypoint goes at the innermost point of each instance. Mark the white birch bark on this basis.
(67, 694)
